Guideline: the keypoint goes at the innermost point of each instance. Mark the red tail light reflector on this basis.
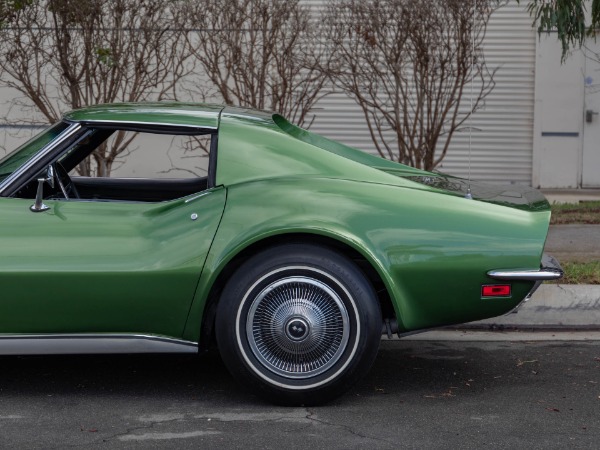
(495, 290)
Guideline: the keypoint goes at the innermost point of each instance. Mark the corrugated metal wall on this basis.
(502, 149)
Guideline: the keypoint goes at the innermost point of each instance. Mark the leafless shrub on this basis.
(407, 63)
(66, 54)
(259, 53)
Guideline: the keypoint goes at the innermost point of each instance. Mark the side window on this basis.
(137, 166)
(130, 154)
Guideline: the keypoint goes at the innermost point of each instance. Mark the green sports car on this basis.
(293, 253)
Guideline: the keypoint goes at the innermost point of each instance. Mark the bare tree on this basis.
(64, 54)
(407, 63)
(259, 53)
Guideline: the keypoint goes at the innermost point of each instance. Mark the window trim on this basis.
(147, 127)
(23, 174)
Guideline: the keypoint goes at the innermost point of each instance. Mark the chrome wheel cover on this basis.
(298, 327)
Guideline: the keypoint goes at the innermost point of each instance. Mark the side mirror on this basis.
(39, 205)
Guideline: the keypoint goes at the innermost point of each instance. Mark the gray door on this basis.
(590, 159)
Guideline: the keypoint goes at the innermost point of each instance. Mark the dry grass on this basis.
(583, 212)
(581, 273)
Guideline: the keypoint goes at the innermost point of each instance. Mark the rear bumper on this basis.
(549, 270)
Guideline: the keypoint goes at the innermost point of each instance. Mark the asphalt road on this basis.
(419, 394)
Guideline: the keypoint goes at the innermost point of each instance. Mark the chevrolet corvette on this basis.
(289, 252)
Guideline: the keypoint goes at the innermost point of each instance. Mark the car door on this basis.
(103, 267)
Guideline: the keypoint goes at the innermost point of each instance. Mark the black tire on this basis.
(298, 324)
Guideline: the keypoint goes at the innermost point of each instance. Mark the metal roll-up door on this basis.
(502, 139)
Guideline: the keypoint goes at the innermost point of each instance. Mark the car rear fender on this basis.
(431, 250)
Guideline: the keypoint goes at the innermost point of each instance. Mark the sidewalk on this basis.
(579, 243)
(553, 306)
(571, 195)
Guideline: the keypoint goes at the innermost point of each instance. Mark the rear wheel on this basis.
(299, 324)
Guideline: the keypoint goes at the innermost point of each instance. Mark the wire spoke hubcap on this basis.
(297, 327)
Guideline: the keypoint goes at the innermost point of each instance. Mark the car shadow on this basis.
(411, 371)
(403, 369)
(134, 375)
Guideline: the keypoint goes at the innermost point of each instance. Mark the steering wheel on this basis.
(65, 183)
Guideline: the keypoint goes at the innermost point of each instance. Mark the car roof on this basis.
(161, 113)
(248, 136)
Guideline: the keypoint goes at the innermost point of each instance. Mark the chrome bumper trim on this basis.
(81, 344)
(550, 270)
(525, 275)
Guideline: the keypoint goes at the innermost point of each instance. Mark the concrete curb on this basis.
(553, 306)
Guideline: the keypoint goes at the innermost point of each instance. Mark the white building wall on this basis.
(566, 146)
